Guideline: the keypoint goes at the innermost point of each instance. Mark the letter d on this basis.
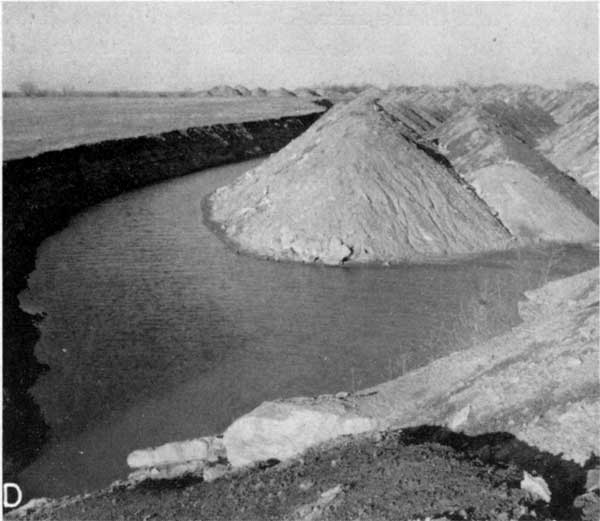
(11, 504)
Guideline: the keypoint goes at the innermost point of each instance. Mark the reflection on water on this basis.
(156, 331)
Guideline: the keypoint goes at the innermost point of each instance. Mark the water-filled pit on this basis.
(155, 330)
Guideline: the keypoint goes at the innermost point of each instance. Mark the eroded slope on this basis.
(573, 147)
(493, 149)
(357, 186)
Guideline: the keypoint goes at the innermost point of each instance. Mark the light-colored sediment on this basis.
(414, 174)
(560, 124)
(224, 91)
(281, 93)
(284, 430)
(305, 92)
(491, 147)
(357, 186)
(573, 147)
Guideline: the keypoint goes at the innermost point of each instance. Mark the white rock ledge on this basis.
(280, 430)
(176, 459)
(196, 449)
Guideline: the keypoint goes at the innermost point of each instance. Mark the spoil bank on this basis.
(383, 180)
(356, 187)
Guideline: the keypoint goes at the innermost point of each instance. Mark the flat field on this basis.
(35, 125)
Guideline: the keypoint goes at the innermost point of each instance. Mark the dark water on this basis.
(156, 331)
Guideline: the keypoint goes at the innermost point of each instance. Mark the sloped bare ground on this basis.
(419, 473)
(375, 179)
(563, 105)
(494, 150)
(561, 124)
(573, 147)
(528, 207)
(357, 187)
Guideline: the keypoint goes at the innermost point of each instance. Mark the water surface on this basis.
(156, 331)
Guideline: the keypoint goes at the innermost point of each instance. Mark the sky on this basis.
(196, 45)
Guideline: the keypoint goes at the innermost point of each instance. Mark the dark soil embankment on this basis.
(425, 472)
(42, 193)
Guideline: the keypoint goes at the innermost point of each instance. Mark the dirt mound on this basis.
(242, 90)
(444, 101)
(356, 187)
(573, 147)
(490, 135)
(387, 476)
(304, 92)
(520, 118)
(555, 106)
(415, 120)
(569, 105)
(224, 91)
(281, 93)
(259, 92)
(561, 123)
(492, 146)
(451, 99)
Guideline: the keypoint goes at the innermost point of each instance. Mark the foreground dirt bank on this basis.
(387, 476)
(42, 193)
(451, 440)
